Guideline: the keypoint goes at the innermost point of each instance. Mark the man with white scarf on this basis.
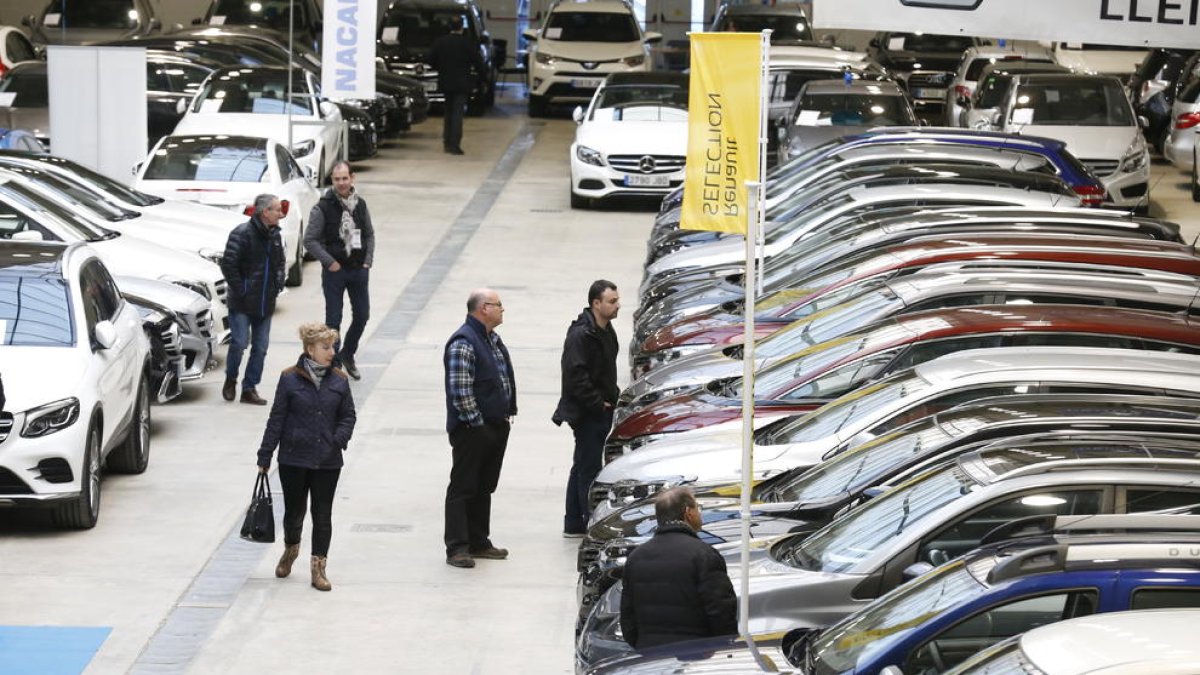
(340, 235)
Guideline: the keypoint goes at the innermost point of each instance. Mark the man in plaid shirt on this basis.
(481, 400)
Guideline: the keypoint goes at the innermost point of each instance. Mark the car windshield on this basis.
(74, 227)
(641, 102)
(927, 42)
(35, 308)
(990, 93)
(847, 411)
(208, 160)
(817, 213)
(91, 14)
(29, 87)
(866, 529)
(852, 110)
(850, 472)
(1097, 103)
(103, 183)
(784, 28)
(841, 647)
(775, 380)
(977, 65)
(420, 26)
(272, 14)
(78, 196)
(254, 91)
(839, 320)
(569, 26)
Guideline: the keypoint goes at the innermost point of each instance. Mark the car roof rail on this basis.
(1036, 560)
(1047, 524)
(1187, 465)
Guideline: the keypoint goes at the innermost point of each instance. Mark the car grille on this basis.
(597, 495)
(1101, 167)
(204, 323)
(171, 342)
(6, 425)
(10, 484)
(935, 79)
(633, 163)
(221, 290)
(589, 553)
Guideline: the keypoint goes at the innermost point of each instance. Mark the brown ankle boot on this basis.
(290, 553)
(319, 581)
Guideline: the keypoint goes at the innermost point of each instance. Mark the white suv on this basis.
(580, 43)
(74, 360)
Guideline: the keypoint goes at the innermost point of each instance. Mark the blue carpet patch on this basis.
(48, 650)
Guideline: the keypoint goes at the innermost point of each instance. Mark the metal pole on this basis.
(291, 69)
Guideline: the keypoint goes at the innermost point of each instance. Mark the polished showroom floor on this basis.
(163, 584)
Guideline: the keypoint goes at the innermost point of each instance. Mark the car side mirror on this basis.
(181, 106)
(136, 168)
(873, 492)
(311, 174)
(577, 114)
(781, 133)
(156, 23)
(994, 118)
(105, 334)
(915, 570)
(530, 34)
(27, 235)
(653, 37)
(829, 40)
(874, 43)
(1143, 122)
(197, 21)
(328, 109)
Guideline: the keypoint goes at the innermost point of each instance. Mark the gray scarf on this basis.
(315, 370)
(349, 203)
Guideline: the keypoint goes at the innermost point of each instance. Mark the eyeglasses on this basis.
(494, 304)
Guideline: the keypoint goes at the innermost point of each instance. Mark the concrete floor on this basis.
(179, 595)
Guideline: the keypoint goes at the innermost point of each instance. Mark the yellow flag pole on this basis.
(754, 217)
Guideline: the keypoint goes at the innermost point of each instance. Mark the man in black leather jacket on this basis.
(676, 587)
(454, 56)
(253, 266)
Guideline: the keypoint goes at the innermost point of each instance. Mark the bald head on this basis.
(484, 305)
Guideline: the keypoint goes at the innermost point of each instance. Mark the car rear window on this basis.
(853, 110)
(91, 14)
(976, 68)
(782, 27)
(35, 310)
(927, 42)
(208, 162)
(261, 92)
(266, 13)
(1087, 103)
(591, 27)
(419, 27)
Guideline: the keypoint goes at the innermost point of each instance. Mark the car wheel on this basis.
(82, 512)
(133, 456)
(491, 95)
(295, 273)
(537, 105)
(322, 174)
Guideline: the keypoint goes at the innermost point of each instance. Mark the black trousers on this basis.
(452, 122)
(478, 456)
(336, 285)
(590, 432)
(299, 484)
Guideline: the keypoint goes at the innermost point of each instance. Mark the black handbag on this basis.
(259, 524)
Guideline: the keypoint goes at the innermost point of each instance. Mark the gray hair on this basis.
(476, 299)
(670, 504)
(263, 202)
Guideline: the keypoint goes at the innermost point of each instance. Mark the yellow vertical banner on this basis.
(723, 126)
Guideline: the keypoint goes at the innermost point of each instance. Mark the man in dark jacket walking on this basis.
(589, 392)
(253, 266)
(454, 56)
(340, 235)
(481, 400)
(675, 586)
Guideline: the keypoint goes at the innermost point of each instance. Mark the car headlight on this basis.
(632, 61)
(1136, 156)
(676, 353)
(357, 125)
(614, 555)
(544, 59)
(588, 155)
(197, 287)
(629, 491)
(211, 254)
(304, 148)
(47, 419)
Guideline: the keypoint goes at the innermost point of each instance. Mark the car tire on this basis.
(133, 455)
(490, 101)
(537, 105)
(82, 512)
(1195, 184)
(322, 174)
(295, 273)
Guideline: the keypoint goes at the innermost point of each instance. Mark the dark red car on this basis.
(722, 325)
(828, 370)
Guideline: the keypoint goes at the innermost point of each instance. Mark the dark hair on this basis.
(474, 300)
(341, 162)
(597, 289)
(670, 504)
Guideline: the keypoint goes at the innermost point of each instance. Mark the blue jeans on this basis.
(590, 432)
(254, 331)
(352, 282)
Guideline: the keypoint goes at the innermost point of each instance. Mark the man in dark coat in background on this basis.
(589, 392)
(454, 56)
(676, 587)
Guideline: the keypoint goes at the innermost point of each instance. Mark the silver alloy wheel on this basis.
(93, 477)
(143, 424)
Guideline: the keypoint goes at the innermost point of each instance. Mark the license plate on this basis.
(928, 92)
(430, 86)
(647, 181)
(587, 83)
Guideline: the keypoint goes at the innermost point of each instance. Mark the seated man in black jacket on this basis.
(676, 586)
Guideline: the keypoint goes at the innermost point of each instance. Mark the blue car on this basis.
(944, 617)
(19, 139)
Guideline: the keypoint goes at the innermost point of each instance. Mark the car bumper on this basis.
(1180, 147)
(42, 470)
(573, 83)
(597, 182)
(1128, 190)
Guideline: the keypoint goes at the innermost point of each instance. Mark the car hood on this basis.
(589, 51)
(634, 137)
(708, 253)
(802, 138)
(173, 233)
(695, 369)
(25, 368)
(718, 331)
(721, 517)
(172, 296)
(130, 256)
(199, 214)
(727, 654)
(1100, 61)
(246, 124)
(1088, 142)
(227, 198)
(690, 412)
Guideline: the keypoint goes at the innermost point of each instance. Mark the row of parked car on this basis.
(976, 399)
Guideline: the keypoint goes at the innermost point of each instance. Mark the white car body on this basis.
(322, 128)
(631, 150)
(1180, 146)
(106, 382)
(963, 86)
(569, 70)
(1087, 59)
(280, 178)
(15, 47)
(679, 459)
(731, 250)
(121, 254)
